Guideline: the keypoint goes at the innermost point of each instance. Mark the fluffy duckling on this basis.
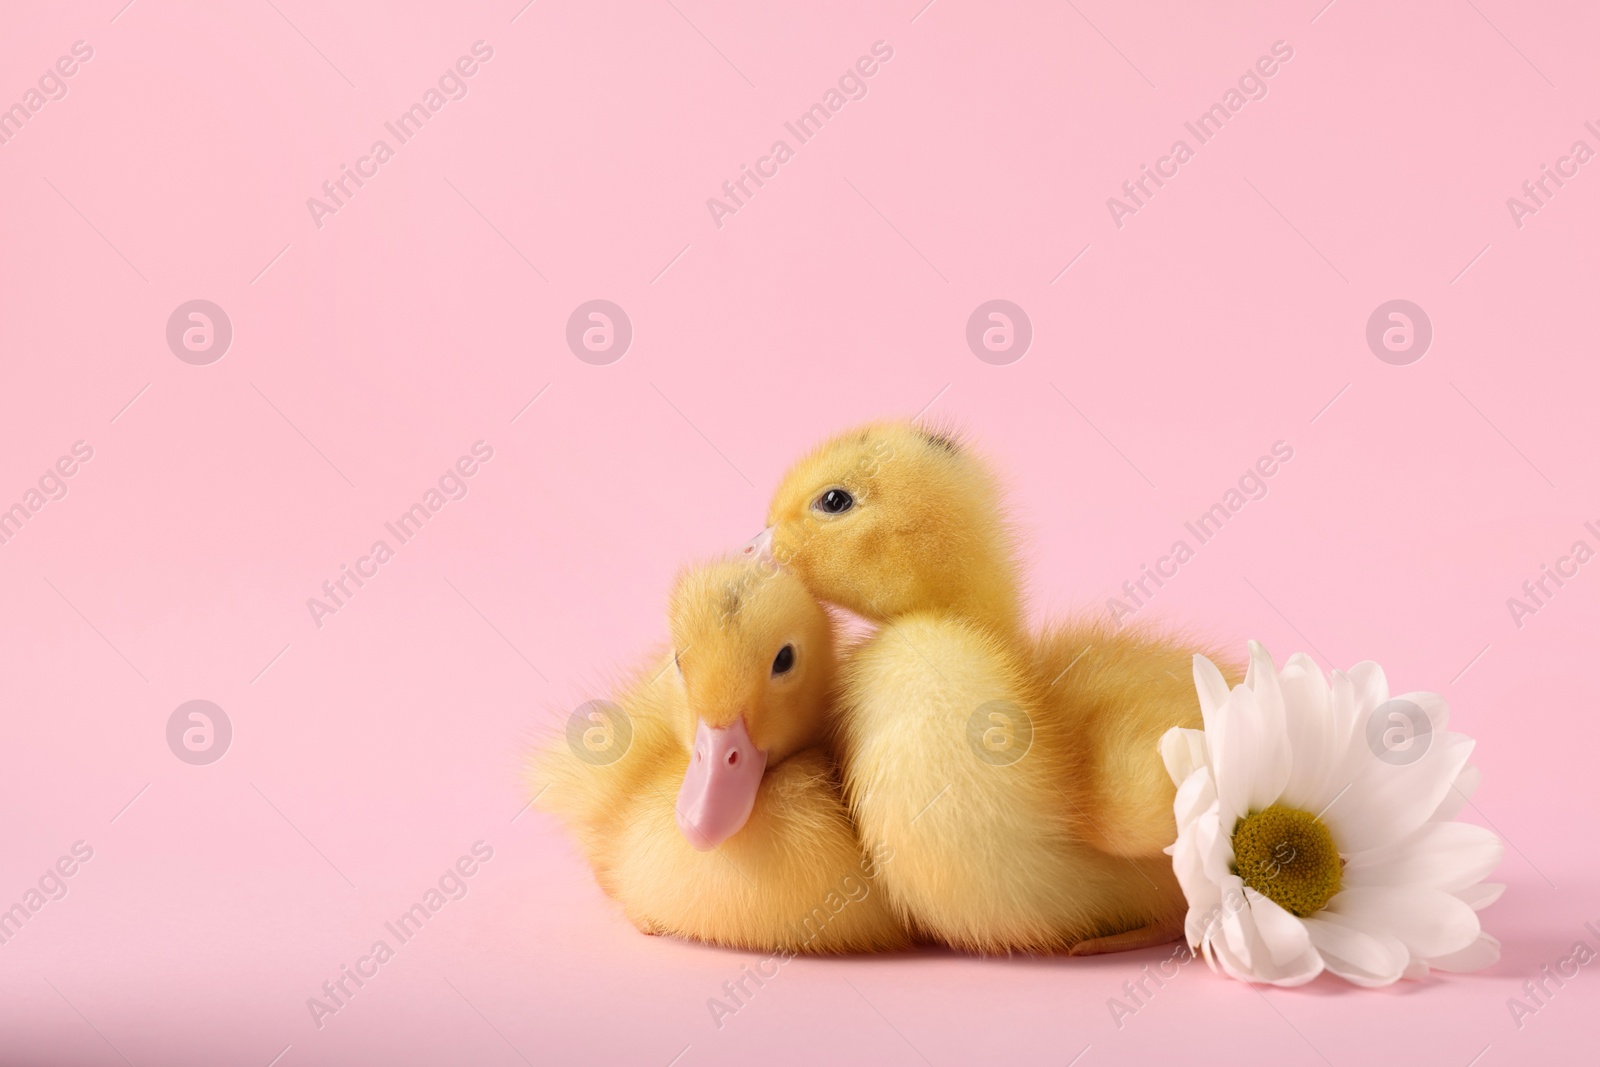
(702, 800)
(1018, 780)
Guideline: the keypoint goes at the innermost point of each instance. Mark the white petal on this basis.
(1230, 734)
(1434, 706)
(1370, 685)
(1215, 846)
(1300, 970)
(1402, 728)
(1232, 956)
(1429, 921)
(1222, 957)
(1466, 784)
(1230, 937)
(1283, 935)
(1211, 687)
(1302, 675)
(1349, 753)
(1484, 952)
(1182, 751)
(1274, 766)
(1478, 897)
(1201, 857)
(1189, 867)
(1249, 753)
(1364, 957)
(1441, 855)
(1194, 925)
(1346, 706)
(1260, 668)
(1260, 942)
(1197, 793)
(1314, 745)
(1385, 802)
(1197, 923)
(1356, 697)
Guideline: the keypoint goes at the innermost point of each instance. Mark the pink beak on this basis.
(758, 547)
(719, 788)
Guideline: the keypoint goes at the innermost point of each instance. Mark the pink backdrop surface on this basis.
(377, 339)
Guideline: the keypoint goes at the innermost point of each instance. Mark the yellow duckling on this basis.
(702, 800)
(1018, 780)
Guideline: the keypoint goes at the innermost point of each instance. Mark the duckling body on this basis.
(793, 875)
(1018, 779)
(1117, 691)
(966, 771)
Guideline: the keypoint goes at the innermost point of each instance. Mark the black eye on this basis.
(784, 660)
(835, 502)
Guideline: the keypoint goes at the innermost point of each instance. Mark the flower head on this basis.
(1315, 828)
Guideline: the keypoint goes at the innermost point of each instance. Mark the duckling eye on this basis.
(835, 502)
(784, 660)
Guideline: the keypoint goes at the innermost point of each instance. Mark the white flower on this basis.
(1314, 828)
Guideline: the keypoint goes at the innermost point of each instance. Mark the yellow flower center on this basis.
(1288, 857)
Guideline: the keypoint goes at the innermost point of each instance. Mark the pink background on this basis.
(370, 353)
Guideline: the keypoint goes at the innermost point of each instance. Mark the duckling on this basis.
(705, 804)
(1018, 779)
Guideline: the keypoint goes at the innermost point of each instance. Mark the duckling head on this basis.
(755, 652)
(891, 518)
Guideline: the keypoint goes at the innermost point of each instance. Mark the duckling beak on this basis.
(719, 788)
(759, 547)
